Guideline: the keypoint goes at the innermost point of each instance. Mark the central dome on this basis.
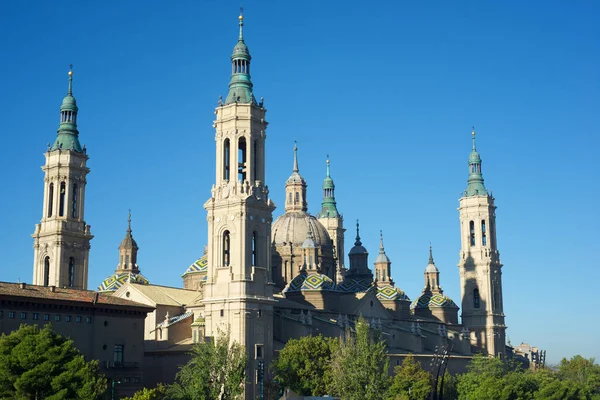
(292, 228)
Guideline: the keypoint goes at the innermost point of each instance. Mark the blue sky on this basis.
(389, 90)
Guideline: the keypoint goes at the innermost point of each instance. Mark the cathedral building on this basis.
(267, 280)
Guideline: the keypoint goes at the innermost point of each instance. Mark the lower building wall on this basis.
(162, 366)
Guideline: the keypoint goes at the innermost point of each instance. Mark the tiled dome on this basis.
(310, 282)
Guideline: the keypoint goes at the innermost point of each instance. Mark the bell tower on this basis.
(480, 267)
(333, 221)
(238, 293)
(62, 238)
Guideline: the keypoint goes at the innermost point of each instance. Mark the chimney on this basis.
(22, 285)
(95, 298)
(53, 288)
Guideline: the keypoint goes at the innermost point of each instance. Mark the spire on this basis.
(295, 188)
(381, 257)
(128, 250)
(67, 137)
(357, 242)
(240, 86)
(295, 158)
(475, 183)
(431, 256)
(328, 205)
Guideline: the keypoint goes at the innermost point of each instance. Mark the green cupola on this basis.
(475, 186)
(240, 86)
(68, 135)
(328, 205)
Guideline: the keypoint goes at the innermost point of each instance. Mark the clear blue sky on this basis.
(389, 89)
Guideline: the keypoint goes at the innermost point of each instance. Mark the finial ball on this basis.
(70, 73)
(241, 17)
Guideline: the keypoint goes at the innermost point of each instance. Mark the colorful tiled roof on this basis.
(391, 293)
(199, 266)
(173, 320)
(353, 285)
(428, 300)
(312, 281)
(115, 281)
(89, 297)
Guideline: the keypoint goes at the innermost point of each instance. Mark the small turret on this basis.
(295, 188)
(68, 135)
(240, 85)
(475, 186)
(383, 265)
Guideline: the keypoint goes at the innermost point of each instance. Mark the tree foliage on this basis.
(492, 378)
(157, 393)
(303, 365)
(215, 371)
(359, 367)
(410, 381)
(40, 364)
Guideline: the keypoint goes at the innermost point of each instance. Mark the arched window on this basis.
(61, 203)
(483, 233)
(242, 159)
(226, 154)
(71, 280)
(297, 199)
(476, 298)
(254, 248)
(50, 199)
(226, 248)
(74, 211)
(46, 271)
(472, 233)
(290, 198)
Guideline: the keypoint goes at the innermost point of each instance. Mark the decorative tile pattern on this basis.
(199, 266)
(351, 285)
(115, 281)
(433, 300)
(391, 293)
(312, 281)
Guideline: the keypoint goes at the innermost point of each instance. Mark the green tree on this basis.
(359, 367)
(303, 365)
(40, 364)
(410, 381)
(583, 372)
(157, 393)
(215, 371)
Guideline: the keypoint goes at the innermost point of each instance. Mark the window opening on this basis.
(46, 271)
(254, 250)
(50, 199)
(242, 159)
(483, 233)
(226, 154)
(472, 232)
(61, 204)
(476, 298)
(74, 204)
(71, 272)
(118, 354)
(226, 248)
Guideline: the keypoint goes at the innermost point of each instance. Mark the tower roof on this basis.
(381, 257)
(475, 186)
(328, 205)
(358, 247)
(128, 241)
(431, 265)
(68, 135)
(295, 178)
(240, 85)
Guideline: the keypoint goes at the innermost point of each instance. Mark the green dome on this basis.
(69, 104)
(240, 51)
(474, 158)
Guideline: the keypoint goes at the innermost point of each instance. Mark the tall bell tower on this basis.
(238, 293)
(480, 267)
(62, 238)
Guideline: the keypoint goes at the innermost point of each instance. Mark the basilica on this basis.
(267, 280)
